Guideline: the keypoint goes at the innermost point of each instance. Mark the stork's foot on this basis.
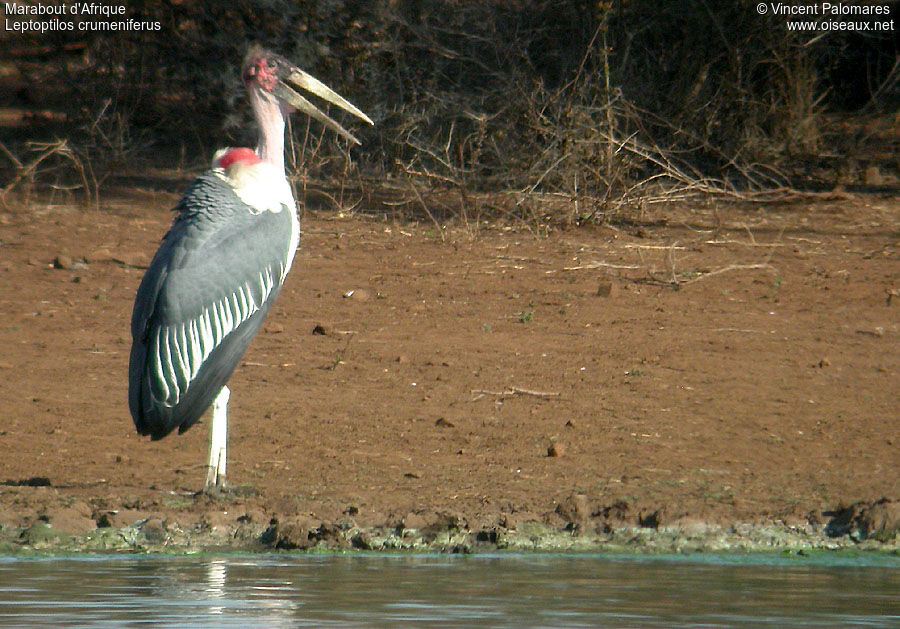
(214, 491)
(228, 492)
(215, 471)
(215, 482)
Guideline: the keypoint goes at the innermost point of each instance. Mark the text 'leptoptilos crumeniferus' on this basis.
(221, 266)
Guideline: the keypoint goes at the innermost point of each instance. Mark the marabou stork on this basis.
(220, 267)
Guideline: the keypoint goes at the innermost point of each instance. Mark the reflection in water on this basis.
(202, 591)
(503, 591)
(216, 573)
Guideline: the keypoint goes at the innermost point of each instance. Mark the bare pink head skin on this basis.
(260, 77)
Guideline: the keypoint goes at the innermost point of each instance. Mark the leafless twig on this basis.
(480, 393)
(44, 151)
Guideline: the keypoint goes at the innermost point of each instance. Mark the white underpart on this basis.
(180, 350)
(218, 440)
(263, 187)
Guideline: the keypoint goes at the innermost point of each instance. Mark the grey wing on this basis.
(200, 304)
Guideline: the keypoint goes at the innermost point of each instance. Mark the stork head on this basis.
(269, 77)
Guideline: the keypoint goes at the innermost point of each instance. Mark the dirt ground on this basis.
(711, 364)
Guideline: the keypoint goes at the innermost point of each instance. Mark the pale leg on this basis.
(218, 439)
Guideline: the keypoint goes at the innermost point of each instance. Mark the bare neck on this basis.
(270, 118)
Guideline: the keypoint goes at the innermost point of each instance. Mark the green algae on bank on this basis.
(154, 536)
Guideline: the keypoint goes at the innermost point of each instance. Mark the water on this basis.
(474, 591)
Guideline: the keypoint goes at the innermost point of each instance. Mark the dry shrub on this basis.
(483, 109)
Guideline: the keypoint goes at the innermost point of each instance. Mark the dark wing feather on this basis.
(201, 302)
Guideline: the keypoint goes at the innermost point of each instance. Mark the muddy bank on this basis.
(229, 524)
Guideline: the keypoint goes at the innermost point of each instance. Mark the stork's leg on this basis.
(218, 439)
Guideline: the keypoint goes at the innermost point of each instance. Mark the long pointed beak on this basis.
(289, 74)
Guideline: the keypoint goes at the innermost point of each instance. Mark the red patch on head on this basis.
(242, 155)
